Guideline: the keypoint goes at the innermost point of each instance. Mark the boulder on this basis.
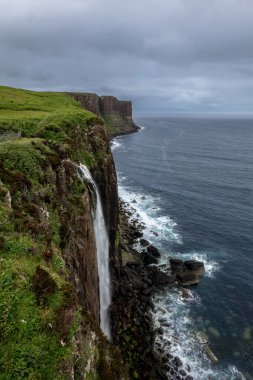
(154, 251)
(163, 278)
(144, 242)
(187, 278)
(176, 265)
(195, 266)
(138, 234)
(148, 258)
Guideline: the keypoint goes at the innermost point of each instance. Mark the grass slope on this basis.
(35, 129)
(42, 114)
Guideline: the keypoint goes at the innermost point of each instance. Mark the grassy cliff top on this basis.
(40, 132)
(40, 114)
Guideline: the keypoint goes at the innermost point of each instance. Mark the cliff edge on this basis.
(117, 114)
(49, 283)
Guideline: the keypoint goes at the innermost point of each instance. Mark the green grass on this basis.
(43, 114)
(30, 348)
(50, 126)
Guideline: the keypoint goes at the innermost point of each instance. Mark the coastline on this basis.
(134, 312)
(192, 348)
(135, 128)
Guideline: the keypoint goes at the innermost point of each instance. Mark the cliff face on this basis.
(117, 114)
(48, 268)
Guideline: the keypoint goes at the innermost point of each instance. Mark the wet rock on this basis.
(144, 242)
(154, 251)
(166, 324)
(177, 362)
(160, 330)
(186, 294)
(148, 258)
(182, 372)
(195, 266)
(177, 265)
(138, 234)
(211, 354)
(187, 278)
(162, 278)
(202, 337)
(188, 378)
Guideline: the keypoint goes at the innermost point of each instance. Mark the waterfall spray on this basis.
(102, 247)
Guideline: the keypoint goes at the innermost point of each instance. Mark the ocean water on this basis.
(190, 179)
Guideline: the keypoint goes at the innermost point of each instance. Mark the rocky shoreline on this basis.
(133, 309)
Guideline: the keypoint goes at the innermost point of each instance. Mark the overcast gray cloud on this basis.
(166, 55)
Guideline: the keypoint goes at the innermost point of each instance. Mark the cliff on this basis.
(49, 281)
(117, 114)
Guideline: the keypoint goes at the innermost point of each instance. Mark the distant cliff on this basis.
(117, 114)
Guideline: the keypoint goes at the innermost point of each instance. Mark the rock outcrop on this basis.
(117, 114)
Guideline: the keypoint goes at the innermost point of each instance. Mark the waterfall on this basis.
(102, 247)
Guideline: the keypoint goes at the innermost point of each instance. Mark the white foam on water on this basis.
(146, 209)
(116, 143)
(211, 265)
(180, 335)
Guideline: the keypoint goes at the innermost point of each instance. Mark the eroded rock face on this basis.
(80, 257)
(117, 113)
(88, 101)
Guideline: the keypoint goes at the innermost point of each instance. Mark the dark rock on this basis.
(138, 234)
(162, 320)
(149, 258)
(132, 264)
(195, 266)
(166, 324)
(182, 372)
(187, 278)
(177, 265)
(144, 242)
(154, 251)
(177, 362)
(162, 278)
(188, 378)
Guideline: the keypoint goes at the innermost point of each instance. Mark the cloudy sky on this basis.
(165, 55)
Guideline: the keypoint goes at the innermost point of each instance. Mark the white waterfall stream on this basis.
(102, 247)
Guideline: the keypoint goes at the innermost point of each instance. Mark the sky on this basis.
(164, 55)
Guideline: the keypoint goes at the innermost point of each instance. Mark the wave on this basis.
(158, 227)
(180, 336)
(116, 143)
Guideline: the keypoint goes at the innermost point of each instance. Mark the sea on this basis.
(189, 178)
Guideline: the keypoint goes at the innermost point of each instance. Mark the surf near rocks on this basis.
(133, 309)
